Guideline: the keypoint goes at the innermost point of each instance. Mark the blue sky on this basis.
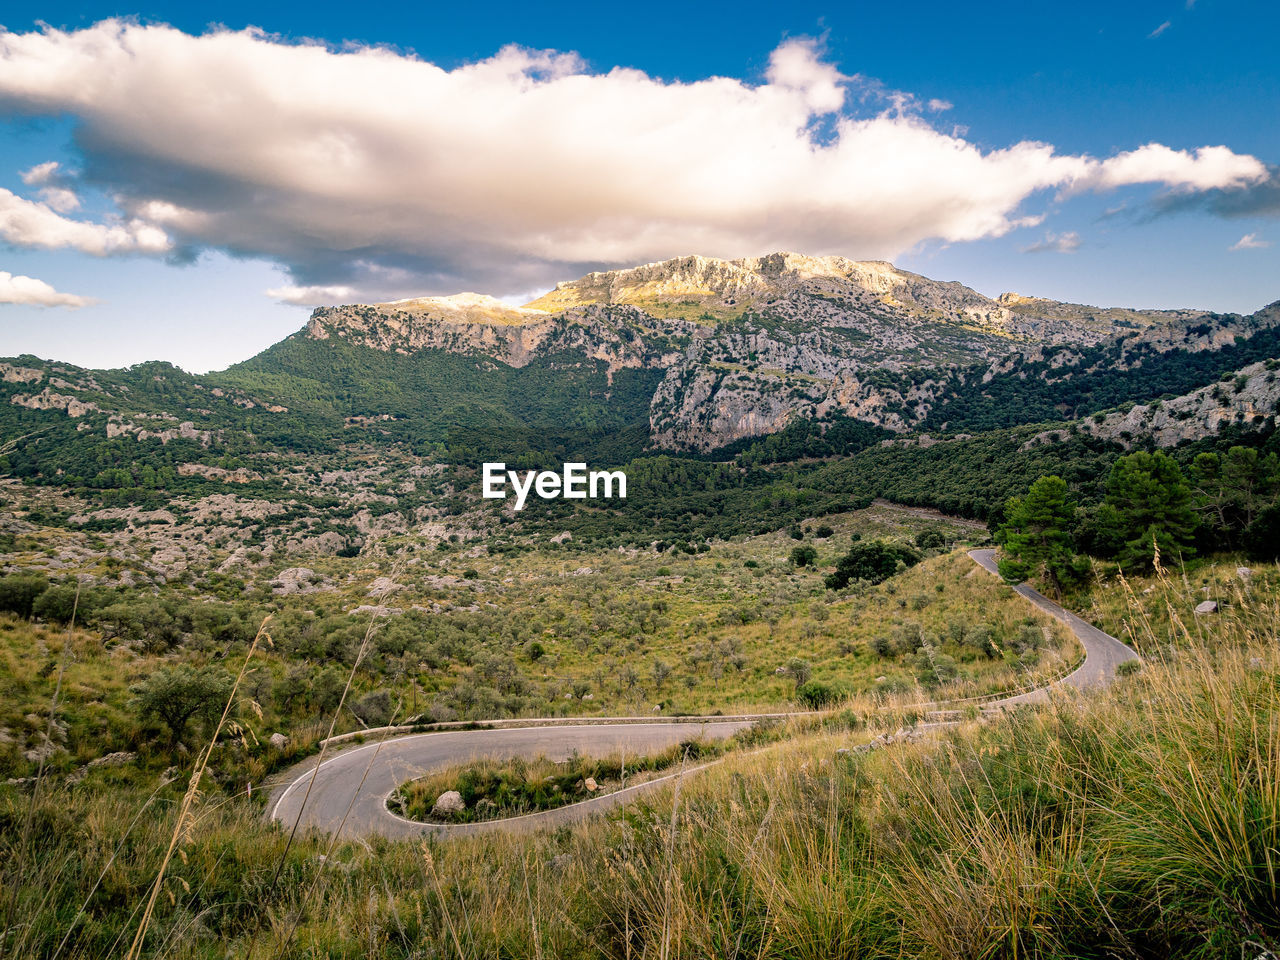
(193, 176)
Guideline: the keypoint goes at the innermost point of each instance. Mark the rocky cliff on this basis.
(1246, 398)
(747, 346)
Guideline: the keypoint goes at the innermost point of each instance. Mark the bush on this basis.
(874, 561)
(58, 602)
(374, 708)
(803, 556)
(18, 592)
(815, 694)
(930, 539)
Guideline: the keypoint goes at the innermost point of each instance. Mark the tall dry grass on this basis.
(1139, 822)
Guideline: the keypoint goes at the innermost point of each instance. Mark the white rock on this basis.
(1207, 606)
(448, 804)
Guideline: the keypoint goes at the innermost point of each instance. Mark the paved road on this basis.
(349, 792)
(354, 785)
(1102, 652)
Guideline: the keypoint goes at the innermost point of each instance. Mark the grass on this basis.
(550, 631)
(1141, 822)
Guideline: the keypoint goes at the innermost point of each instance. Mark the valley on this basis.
(203, 578)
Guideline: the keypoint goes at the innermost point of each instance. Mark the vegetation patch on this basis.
(492, 789)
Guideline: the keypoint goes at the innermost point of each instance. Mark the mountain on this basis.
(693, 354)
(746, 347)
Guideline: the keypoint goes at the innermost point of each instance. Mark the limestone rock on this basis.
(448, 804)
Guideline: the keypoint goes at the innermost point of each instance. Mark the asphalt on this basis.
(1103, 653)
(350, 790)
(348, 793)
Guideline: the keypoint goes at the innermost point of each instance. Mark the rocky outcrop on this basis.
(46, 399)
(239, 475)
(749, 345)
(15, 374)
(1248, 398)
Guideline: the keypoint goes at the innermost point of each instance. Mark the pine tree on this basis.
(1037, 537)
(1153, 507)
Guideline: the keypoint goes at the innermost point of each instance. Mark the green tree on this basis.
(178, 695)
(801, 671)
(874, 561)
(18, 592)
(803, 556)
(1036, 537)
(1153, 508)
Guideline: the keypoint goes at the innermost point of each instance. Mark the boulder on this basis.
(293, 581)
(591, 785)
(382, 586)
(1207, 606)
(448, 804)
(278, 740)
(117, 759)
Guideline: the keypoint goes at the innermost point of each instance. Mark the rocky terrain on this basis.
(748, 346)
(1249, 397)
(691, 354)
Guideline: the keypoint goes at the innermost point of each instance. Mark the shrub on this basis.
(803, 556)
(874, 561)
(815, 694)
(374, 708)
(18, 592)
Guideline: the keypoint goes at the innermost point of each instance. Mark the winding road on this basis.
(348, 793)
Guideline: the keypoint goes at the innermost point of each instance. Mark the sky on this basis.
(186, 182)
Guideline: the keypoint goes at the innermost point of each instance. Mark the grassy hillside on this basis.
(1140, 822)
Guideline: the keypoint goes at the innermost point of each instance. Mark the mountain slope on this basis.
(693, 354)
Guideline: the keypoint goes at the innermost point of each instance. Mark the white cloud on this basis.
(795, 67)
(371, 170)
(30, 291)
(1250, 241)
(1159, 30)
(313, 296)
(1068, 242)
(1207, 168)
(60, 199)
(27, 223)
(938, 106)
(41, 173)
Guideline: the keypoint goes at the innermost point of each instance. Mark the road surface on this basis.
(1103, 653)
(348, 794)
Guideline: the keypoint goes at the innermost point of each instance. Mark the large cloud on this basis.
(29, 290)
(376, 171)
